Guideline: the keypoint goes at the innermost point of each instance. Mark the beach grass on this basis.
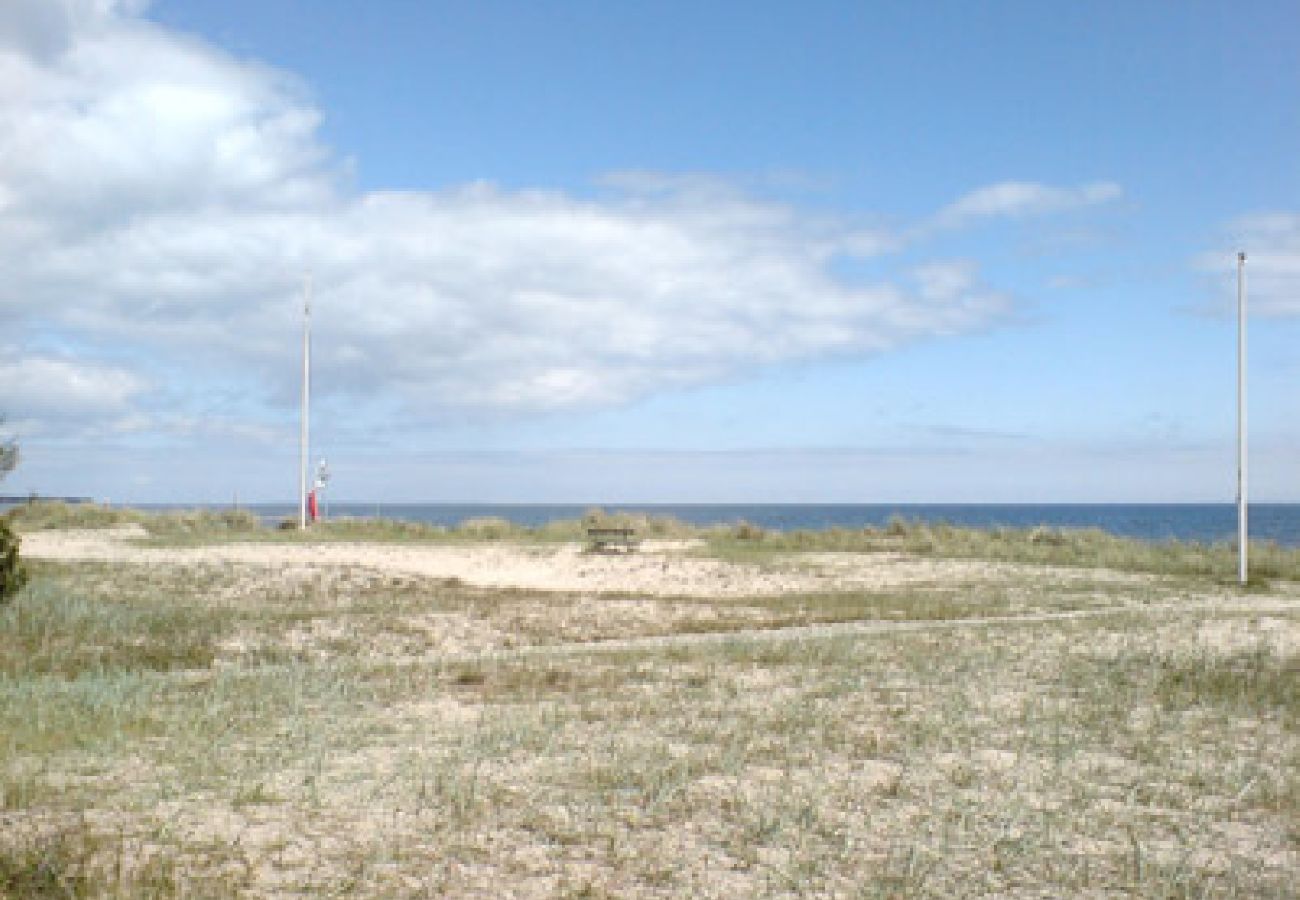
(1070, 547)
(205, 524)
(208, 525)
(225, 730)
(84, 617)
(915, 764)
(1074, 547)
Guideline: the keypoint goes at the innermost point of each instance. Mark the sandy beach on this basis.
(657, 568)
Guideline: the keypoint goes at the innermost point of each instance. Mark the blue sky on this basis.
(604, 252)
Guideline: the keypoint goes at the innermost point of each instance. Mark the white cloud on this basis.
(45, 28)
(45, 393)
(128, 120)
(163, 198)
(1015, 199)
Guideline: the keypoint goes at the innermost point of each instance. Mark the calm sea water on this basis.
(1208, 523)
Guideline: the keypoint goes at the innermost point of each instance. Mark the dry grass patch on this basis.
(1087, 548)
(249, 731)
(1129, 756)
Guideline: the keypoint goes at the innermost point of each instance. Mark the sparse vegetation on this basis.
(1085, 547)
(203, 729)
(74, 860)
(206, 524)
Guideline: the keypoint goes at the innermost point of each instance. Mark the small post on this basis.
(1242, 527)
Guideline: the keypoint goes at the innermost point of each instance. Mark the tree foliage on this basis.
(8, 454)
(13, 575)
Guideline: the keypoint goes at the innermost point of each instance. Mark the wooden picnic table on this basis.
(602, 539)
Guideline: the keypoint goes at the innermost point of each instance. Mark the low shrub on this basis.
(1050, 536)
(486, 528)
(48, 514)
(202, 522)
(1089, 547)
(13, 575)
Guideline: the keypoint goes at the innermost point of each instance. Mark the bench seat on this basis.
(602, 539)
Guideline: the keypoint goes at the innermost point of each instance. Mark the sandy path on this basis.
(1272, 613)
(661, 569)
(1219, 606)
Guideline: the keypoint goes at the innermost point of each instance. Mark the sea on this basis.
(1202, 522)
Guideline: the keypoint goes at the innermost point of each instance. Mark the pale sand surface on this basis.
(658, 568)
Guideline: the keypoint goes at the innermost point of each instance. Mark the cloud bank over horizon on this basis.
(161, 199)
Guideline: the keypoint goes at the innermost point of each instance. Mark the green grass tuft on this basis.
(52, 628)
(1078, 547)
(47, 515)
(73, 862)
(1257, 680)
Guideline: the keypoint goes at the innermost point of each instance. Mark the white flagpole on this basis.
(1242, 538)
(306, 403)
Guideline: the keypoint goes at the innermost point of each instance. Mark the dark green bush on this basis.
(12, 573)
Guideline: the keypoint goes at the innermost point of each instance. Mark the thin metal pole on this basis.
(306, 403)
(1242, 538)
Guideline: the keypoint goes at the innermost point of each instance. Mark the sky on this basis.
(675, 252)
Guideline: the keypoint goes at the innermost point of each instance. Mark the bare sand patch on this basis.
(659, 568)
(1228, 636)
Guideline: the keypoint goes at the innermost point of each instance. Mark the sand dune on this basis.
(658, 568)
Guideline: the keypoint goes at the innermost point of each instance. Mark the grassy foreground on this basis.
(221, 731)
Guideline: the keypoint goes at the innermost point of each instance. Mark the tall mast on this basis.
(306, 402)
(1242, 538)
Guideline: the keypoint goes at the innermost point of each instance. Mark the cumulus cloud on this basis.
(44, 392)
(44, 28)
(128, 120)
(1015, 199)
(164, 198)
